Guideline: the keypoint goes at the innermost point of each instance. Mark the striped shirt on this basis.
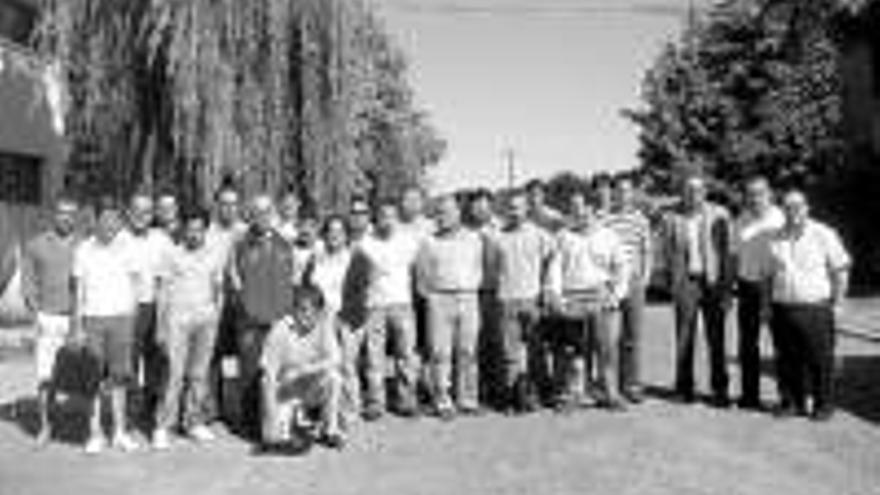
(634, 231)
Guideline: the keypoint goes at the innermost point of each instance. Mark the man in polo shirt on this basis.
(634, 231)
(752, 230)
(105, 299)
(261, 278)
(46, 271)
(450, 271)
(301, 363)
(189, 307)
(389, 256)
(808, 271)
(522, 254)
(148, 247)
(588, 279)
(359, 224)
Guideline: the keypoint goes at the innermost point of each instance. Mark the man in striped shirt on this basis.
(634, 231)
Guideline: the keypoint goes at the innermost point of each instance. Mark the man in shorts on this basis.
(46, 273)
(105, 281)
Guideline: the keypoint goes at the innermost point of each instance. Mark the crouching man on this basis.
(301, 375)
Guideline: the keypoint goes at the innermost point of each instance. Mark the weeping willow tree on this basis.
(310, 95)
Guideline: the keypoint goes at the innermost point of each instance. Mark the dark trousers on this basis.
(490, 352)
(804, 334)
(751, 309)
(632, 311)
(250, 348)
(148, 359)
(225, 346)
(697, 297)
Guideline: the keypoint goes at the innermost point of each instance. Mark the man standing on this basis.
(808, 270)
(753, 229)
(46, 275)
(522, 255)
(698, 250)
(167, 215)
(588, 279)
(390, 256)
(539, 212)
(105, 298)
(359, 223)
(413, 220)
(261, 278)
(301, 364)
(190, 295)
(288, 216)
(634, 231)
(148, 248)
(450, 270)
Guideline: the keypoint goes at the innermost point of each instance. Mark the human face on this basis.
(604, 195)
(758, 195)
(359, 218)
(536, 197)
(450, 214)
(306, 315)
(166, 210)
(228, 207)
(64, 217)
(412, 204)
(624, 195)
(308, 230)
(262, 212)
(289, 208)
(194, 233)
(481, 209)
(796, 209)
(694, 192)
(335, 236)
(109, 224)
(517, 209)
(386, 218)
(140, 215)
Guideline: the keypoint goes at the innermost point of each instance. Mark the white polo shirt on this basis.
(148, 251)
(751, 236)
(107, 275)
(391, 268)
(800, 266)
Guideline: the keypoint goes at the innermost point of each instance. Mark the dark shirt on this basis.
(262, 277)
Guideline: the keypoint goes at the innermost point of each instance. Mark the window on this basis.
(17, 20)
(21, 179)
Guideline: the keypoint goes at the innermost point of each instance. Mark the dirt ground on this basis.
(657, 448)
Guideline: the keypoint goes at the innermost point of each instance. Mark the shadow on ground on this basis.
(858, 386)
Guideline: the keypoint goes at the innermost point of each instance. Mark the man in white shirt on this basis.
(589, 276)
(390, 256)
(752, 230)
(807, 268)
(105, 299)
(450, 271)
(288, 216)
(301, 371)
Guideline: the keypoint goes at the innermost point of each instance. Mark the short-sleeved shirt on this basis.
(589, 261)
(328, 273)
(107, 276)
(285, 348)
(48, 263)
(800, 266)
(147, 250)
(521, 257)
(752, 233)
(451, 262)
(190, 278)
(391, 262)
(634, 231)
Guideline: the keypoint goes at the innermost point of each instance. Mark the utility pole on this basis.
(510, 161)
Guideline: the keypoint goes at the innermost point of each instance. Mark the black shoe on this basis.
(822, 414)
(372, 413)
(684, 397)
(406, 411)
(612, 404)
(633, 396)
(720, 402)
(335, 441)
(472, 411)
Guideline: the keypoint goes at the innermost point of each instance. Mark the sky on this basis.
(550, 86)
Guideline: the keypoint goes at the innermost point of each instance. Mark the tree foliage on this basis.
(752, 87)
(304, 94)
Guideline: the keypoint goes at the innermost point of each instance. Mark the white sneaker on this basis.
(95, 445)
(124, 442)
(201, 434)
(161, 441)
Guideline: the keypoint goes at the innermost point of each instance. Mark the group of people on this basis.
(289, 325)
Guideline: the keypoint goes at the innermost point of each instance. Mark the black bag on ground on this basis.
(77, 371)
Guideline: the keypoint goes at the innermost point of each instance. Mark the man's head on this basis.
(694, 193)
(288, 207)
(228, 205)
(796, 208)
(308, 307)
(335, 233)
(581, 209)
(167, 210)
(195, 222)
(109, 215)
(481, 206)
(624, 193)
(535, 193)
(412, 203)
(307, 229)
(449, 213)
(604, 193)
(386, 218)
(64, 215)
(759, 196)
(140, 212)
(517, 208)
(359, 217)
(262, 213)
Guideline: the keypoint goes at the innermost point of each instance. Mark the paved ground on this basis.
(659, 448)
